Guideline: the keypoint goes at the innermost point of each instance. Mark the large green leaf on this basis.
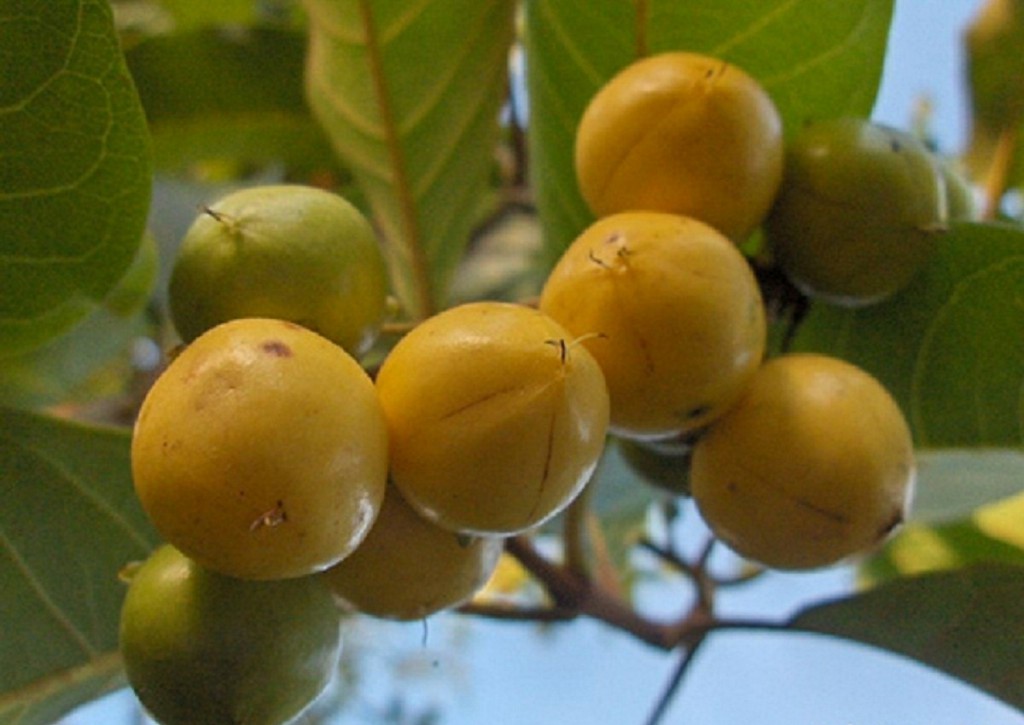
(75, 177)
(409, 93)
(816, 59)
(951, 350)
(217, 95)
(966, 623)
(69, 522)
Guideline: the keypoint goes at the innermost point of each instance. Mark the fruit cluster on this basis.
(283, 476)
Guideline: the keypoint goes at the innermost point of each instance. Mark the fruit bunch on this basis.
(283, 476)
(797, 461)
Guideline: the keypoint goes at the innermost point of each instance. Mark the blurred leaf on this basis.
(69, 522)
(228, 94)
(816, 59)
(409, 93)
(63, 368)
(949, 348)
(952, 482)
(965, 623)
(192, 14)
(75, 178)
(994, 46)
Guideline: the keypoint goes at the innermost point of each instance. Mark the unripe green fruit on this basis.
(290, 252)
(859, 211)
(261, 451)
(409, 567)
(815, 463)
(204, 649)
(671, 311)
(496, 417)
(682, 133)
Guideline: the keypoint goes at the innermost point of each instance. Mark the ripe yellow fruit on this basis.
(496, 418)
(671, 311)
(261, 451)
(409, 568)
(684, 133)
(204, 649)
(814, 464)
(286, 251)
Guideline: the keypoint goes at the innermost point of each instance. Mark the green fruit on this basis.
(204, 649)
(261, 451)
(290, 252)
(408, 567)
(662, 463)
(814, 464)
(859, 212)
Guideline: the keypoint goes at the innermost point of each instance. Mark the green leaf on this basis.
(75, 178)
(953, 482)
(814, 63)
(211, 95)
(966, 623)
(70, 521)
(409, 94)
(74, 364)
(950, 350)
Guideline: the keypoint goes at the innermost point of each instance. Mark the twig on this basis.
(672, 686)
(997, 179)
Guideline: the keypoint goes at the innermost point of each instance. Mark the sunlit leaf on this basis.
(965, 623)
(70, 521)
(75, 177)
(410, 94)
(816, 61)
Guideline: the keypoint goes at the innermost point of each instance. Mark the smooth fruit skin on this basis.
(204, 649)
(261, 451)
(409, 568)
(496, 418)
(286, 251)
(672, 313)
(859, 213)
(814, 464)
(684, 133)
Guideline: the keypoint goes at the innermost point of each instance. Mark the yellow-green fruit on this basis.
(684, 133)
(814, 464)
(409, 567)
(671, 311)
(496, 417)
(859, 212)
(261, 451)
(286, 251)
(204, 649)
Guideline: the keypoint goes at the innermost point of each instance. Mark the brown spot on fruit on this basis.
(276, 348)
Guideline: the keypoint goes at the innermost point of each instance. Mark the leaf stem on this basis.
(410, 236)
(997, 180)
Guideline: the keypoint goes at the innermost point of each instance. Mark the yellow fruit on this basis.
(204, 649)
(286, 251)
(409, 568)
(261, 451)
(672, 313)
(684, 133)
(496, 418)
(814, 464)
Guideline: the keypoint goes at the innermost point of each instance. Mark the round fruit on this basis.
(684, 133)
(859, 211)
(261, 451)
(283, 251)
(204, 649)
(496, 417)
(409, 568)
(671, 311)
(815, 463)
